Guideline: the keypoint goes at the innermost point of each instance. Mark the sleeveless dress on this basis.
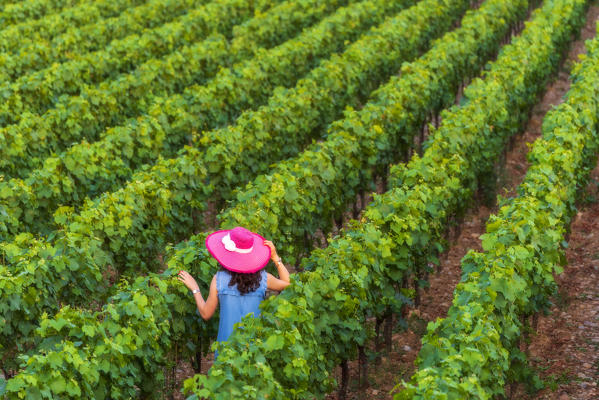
(233, 305)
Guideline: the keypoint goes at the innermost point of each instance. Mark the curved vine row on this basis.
(21, 11)
(45, 28)
(523, 248)
(112, 101)
(36, 92)
(249, 83)
(33, 54)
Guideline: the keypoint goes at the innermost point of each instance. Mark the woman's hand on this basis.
(188, 280)
(282, 281)
(273, 251)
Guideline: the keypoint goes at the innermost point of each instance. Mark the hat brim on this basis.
(238, 262)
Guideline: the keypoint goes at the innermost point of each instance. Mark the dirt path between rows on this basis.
(399, 364)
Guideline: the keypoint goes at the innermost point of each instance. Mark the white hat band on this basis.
(230, 245)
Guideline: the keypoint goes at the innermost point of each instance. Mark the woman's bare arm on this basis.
(282, 281)
(205, 308)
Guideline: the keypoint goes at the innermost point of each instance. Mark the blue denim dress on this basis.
(233, 305)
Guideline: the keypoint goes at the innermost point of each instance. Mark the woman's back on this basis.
(234, 305)
(243, 256)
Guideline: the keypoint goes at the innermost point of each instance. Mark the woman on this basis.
(240, 285)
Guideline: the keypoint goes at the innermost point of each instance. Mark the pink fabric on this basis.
(238, 262)
(242, 238)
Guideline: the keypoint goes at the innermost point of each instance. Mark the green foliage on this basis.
(32, 284)
(127, 337)
(31, 202)
(304, 194)
(38, 91)
(523, 249)
(33, 53)
(120, 351)
(294, 117)
(91, 169)
(93, 109)
(112, 225)
(358, 274)
(13, 37)
(14, 11)
(127, 228)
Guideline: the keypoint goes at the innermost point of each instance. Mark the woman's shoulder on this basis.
(222, 272)
(221, 278)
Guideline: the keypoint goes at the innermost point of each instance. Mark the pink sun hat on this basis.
(239, 250)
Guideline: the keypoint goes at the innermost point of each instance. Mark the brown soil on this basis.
(399, 364)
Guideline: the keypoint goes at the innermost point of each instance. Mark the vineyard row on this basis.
(27, 143)
(473, 351)
(32, 54)
(308, 193)
(21, 11)
(13, 37)
(87, 170)
(36, 92)
(171, 120)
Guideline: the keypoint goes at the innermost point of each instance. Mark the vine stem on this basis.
(377, 340)
(363, 363)
(389, 332)
(344, 380)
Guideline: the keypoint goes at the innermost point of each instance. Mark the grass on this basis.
(562, 299)
(553, 381)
